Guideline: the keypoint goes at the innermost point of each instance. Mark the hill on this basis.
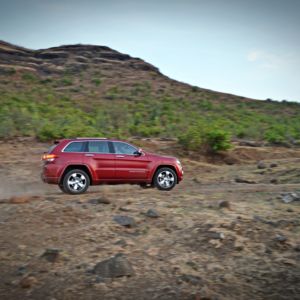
(78, 90)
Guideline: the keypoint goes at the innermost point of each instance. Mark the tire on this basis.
(75, 182)
(165, 179)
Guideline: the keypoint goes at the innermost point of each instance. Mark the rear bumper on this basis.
(50, 174)
(51, 180)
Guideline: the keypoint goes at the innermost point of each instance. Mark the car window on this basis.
(75, 147)
(98, 147)
(51, 148)
(124, 148)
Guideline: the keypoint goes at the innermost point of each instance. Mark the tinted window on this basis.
(123, 148)
(75, 147)
(51, 148)
(98, 147)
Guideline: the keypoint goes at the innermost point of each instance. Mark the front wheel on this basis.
(165, 179)
(75, 182)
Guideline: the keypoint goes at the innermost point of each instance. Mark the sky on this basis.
(247, 48)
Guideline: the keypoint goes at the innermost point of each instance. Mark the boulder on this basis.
(117, 266)
(125, 221)
(261, 165)
(152, 213)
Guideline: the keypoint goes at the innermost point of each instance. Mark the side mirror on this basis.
(138, 152)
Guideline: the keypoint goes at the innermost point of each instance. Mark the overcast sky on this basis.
(249, 48)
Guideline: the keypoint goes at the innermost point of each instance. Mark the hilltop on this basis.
(78, 90)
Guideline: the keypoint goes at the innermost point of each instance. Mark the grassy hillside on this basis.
(95, 91)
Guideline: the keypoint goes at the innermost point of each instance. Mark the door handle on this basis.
(89, 154)
(120, 156)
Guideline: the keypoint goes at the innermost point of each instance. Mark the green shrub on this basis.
(11, 71)
(218, 140)
(29, 77)
(274, 137)
(210, 139)
(191, 139)
(66, 81)
(97, 81)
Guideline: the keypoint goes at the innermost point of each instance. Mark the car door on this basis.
(100, 159)
(129, 166)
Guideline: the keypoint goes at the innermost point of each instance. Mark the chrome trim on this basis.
(91, 138)
(63, 150)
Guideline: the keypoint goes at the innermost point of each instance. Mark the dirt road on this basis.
(223, 233)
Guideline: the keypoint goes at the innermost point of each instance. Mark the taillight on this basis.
(49, 157)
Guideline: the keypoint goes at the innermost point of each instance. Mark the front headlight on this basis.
(178, 162)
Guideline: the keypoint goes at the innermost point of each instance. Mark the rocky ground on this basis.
(228, 231)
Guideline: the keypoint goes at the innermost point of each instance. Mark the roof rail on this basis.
(94, 138)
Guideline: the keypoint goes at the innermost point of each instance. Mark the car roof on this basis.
(90, 138)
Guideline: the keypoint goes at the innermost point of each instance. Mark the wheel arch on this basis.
(164, 166)
(84, 168)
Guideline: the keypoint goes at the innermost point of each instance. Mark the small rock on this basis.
(100, 279)
(21, 271)
(192, 279)
(192, 264)
(297, 248)
(261, 165)
(215, 235)
(268, 251)
(214, 267)
(196, 180)
(280, 238)
(121, 243)
(102, 200)
(250, 143)
(152, 213)
(290, 197)
(274, 181)
(224, 204)
(51, 254)
(243, 180)
(28, 282)
(273, 165)
(116, 266)
(122, 208)
(287, 199)
(125, 221)
(50, 198)
(238, 246)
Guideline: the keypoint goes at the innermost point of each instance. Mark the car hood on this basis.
(162, 157)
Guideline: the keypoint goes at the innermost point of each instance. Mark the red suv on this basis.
(74, 164)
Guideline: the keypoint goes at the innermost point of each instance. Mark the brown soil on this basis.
(198, 248)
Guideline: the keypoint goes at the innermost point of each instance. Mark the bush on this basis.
(218, 140)
(29, 77)
(66, 81)
(210, 139)
(274, 137)
(96, 81)
(191, 139)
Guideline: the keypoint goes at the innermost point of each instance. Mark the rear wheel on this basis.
(165, 179)
(75, 182)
